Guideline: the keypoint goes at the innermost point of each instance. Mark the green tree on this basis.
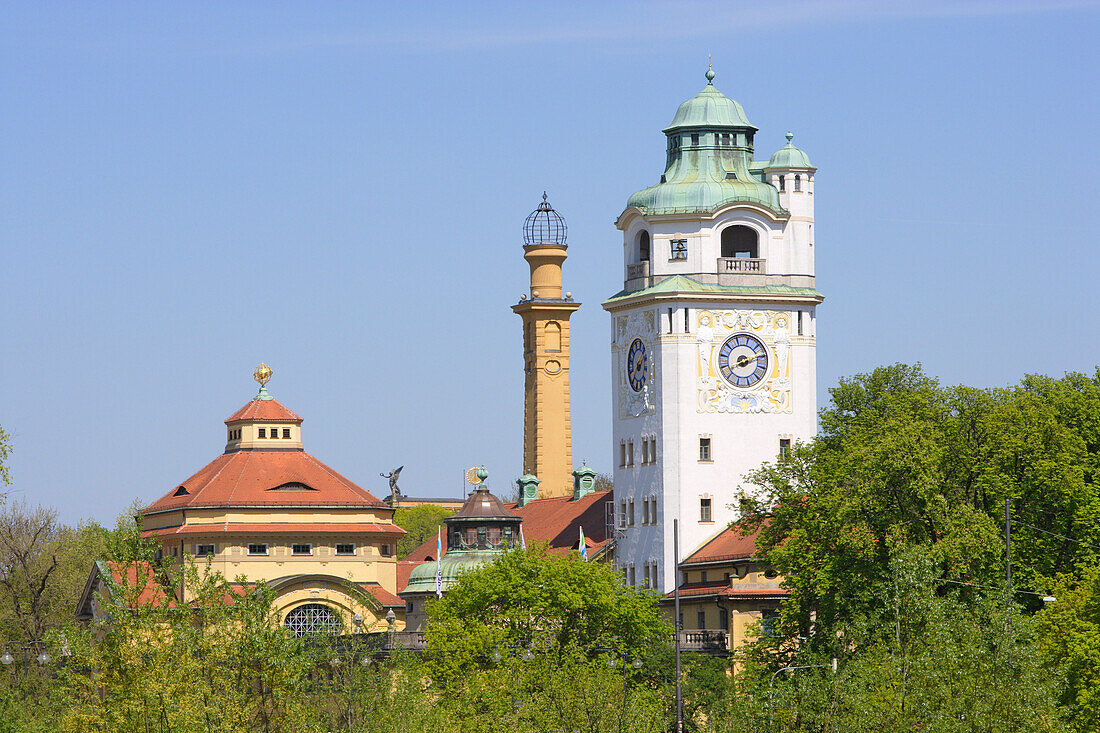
(1069, 640)
(535, 600)
(955, 662)
(421, 524)
(219, 662)
(902, 460)
(5, 456)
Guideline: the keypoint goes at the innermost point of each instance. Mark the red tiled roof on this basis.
(404, 570)
(725, 589)
(552, 520)
(246, 477)
(382, 595)
(275, 527)
(264, 410)
(555, 520)
(730, 544)
(733, 592)
(139, 574)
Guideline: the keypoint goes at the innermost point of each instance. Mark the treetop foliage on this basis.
(532, 599)
(421, 523)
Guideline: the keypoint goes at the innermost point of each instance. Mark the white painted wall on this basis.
(671, 408)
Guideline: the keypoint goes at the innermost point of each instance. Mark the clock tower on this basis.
(547, 435)
(713, 333)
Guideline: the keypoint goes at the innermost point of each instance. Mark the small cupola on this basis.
(263, 423)
(790, 157)
(483, 523)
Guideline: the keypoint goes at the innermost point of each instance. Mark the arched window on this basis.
(739, 241)
(313, 618)
(553, 336)
(643, 247)
(797, 183)
(782, 183)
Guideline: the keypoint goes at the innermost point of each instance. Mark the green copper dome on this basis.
(708, 159)
(422, 578)
(789, 156)
(709, 108)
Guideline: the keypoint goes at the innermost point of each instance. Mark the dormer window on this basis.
(181, 491)
(292, 486)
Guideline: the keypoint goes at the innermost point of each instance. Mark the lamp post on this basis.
(24, 653)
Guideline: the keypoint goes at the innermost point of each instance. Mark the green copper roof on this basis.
(422, 578)
(708, 159)
(789, 156)
(685, 284)
(709, 108)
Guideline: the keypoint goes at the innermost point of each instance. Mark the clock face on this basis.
(637, 365)
(743, 360)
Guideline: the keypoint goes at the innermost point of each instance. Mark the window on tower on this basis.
(704, 449)
(798, 183)
(262, 432)
(784, 447)
(739, 241)
(782, 184)
(553, 336)
(286, 432)
(643, 247)
(694, 138)
(704, 511)
(679, 249)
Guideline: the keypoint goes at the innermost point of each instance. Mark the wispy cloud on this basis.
(520, 25)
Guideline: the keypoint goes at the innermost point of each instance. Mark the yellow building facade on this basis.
(547, 430)
(269, 511)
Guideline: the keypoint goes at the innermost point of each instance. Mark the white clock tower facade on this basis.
(713, 334)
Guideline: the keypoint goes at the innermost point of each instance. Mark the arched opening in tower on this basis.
(643, 247)
(739, 241)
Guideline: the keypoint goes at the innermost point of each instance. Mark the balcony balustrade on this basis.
(747, 265)
(640, 269)
(711, 641)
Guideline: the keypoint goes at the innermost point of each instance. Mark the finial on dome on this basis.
(544, 195)
(262, 374)
(710, 70)
(790, 136)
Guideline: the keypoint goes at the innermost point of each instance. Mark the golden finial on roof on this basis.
(262, 374)
(472, 476)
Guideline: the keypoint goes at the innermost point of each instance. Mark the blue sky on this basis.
(338, 189)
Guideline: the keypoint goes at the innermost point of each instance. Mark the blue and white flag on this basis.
(582, 548)
(438, 566)
(522, 542)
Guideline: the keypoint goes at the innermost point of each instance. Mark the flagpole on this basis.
(676, 620)
(438, 563)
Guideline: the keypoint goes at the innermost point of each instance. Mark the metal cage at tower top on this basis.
(545, 226)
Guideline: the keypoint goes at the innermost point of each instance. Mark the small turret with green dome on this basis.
(789, 156)
(709, 160)
(478, 533)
